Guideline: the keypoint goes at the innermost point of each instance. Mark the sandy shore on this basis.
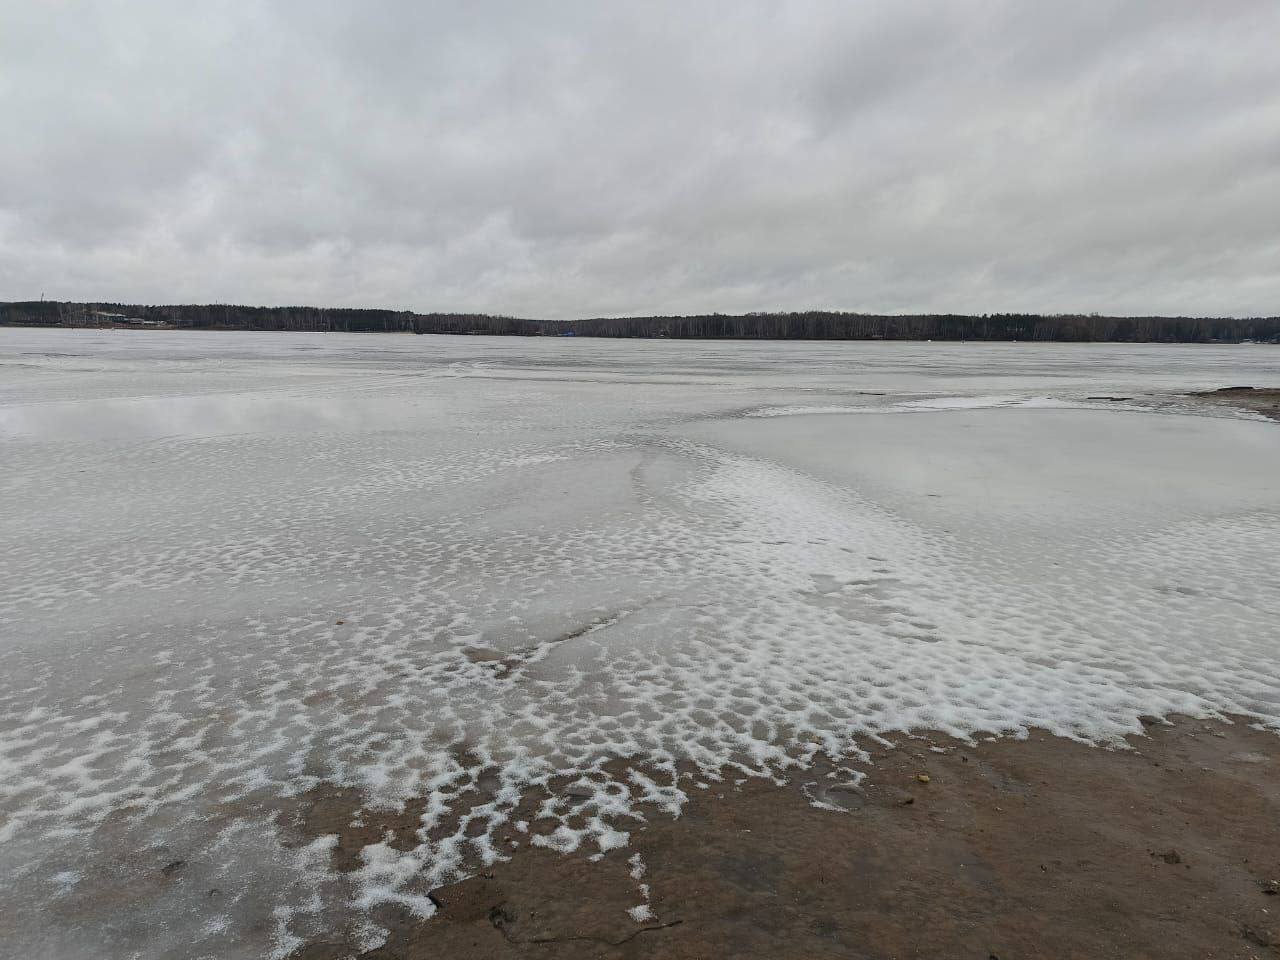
(1003, 849)
(1263, 400)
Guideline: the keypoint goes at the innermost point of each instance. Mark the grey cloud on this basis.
(574, 159)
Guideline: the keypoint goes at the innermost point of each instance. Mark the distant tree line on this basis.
(826, 325)
(52, 313)
(809, 325)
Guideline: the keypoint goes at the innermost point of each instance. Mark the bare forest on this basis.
(807, 325)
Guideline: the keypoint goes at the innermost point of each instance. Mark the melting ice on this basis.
(459, 573)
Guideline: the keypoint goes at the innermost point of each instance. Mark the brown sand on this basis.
(1010, 850)
(1263, 400)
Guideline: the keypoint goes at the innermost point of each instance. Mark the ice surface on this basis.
(467, 571)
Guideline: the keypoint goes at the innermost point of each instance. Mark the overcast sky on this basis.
(576, 159)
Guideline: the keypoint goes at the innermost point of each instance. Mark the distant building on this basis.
(103, 316)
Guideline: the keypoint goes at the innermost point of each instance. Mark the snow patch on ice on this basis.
(890, 405)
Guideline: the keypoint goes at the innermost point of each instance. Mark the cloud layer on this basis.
(570, 159)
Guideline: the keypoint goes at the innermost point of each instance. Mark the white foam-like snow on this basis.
(981, 403)
(642, 912)
(889, 405)
(565, 579)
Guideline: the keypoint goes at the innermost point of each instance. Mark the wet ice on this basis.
(236, 567)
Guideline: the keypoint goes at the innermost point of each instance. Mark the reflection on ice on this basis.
(1026, 467)
(447, 574)
(211, 416)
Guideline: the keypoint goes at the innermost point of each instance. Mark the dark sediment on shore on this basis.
(1003, 849)
(1263, 400)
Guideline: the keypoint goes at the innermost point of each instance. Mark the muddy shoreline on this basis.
(1263, 400)
(1001, 849)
